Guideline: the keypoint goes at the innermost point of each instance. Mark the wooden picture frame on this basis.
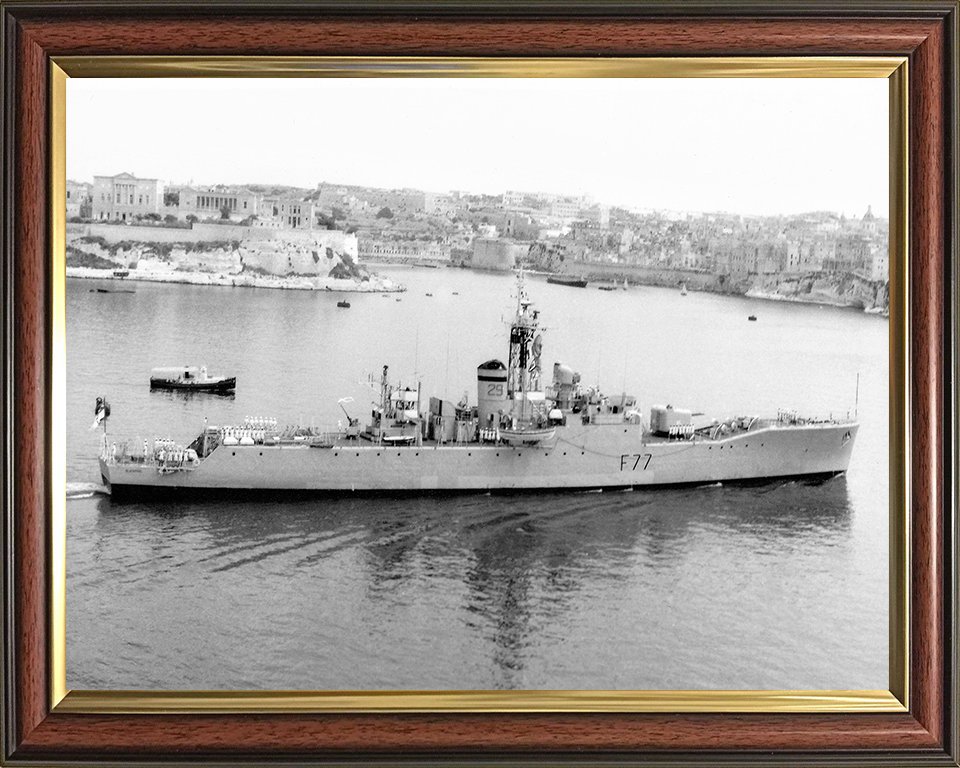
(39, 729)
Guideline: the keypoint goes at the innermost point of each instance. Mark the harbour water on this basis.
(777, 586)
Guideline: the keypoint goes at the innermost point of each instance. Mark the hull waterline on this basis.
(587, 458)
(224, 385)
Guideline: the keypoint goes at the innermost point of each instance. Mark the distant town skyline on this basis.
(751, 147)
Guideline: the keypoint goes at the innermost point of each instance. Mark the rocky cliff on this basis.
(273, 263)
(839, 289)
(842, 289)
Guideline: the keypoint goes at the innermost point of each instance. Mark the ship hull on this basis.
(221, 385)
(570, 282)
(577, 458)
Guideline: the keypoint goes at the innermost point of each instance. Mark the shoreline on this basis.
(381, 284)
(376, 284)
(700, 282)
(822, 301)
(672, 281)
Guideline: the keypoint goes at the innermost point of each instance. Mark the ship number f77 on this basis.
(633, 461)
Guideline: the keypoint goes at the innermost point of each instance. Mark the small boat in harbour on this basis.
(572, 282)
(190, 377)
(752, 318)
(343, 304)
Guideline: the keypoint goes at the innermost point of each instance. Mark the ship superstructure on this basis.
(521, 434)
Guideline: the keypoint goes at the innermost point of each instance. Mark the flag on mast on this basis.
(100, 412)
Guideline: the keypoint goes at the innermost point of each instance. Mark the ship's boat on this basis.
(399, 439)
(525, 432)
(190, 377)
(527, 435)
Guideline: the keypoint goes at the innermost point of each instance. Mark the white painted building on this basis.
(125, 197)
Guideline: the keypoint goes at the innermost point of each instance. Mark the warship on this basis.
(522, 434)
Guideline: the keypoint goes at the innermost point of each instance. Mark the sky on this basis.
(749, 146)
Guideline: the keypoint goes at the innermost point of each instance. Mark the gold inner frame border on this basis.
(894, 69)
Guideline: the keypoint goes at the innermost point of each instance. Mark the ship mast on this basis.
(384, 403)
(523, 369)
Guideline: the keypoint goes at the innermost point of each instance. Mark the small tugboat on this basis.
(343, 304)
(190, 378)
(572, 282)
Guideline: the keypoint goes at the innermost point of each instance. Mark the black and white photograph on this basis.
(478, 383)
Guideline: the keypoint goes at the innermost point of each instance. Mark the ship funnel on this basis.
(491, 392)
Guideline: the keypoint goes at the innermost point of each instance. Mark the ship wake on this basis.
(85, 490)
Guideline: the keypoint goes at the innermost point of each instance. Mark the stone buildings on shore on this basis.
(124, 197)
(724, 244)
(206, 202)
(544, 230)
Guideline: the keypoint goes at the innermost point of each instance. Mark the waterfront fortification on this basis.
(221, 254)
(838, 288)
